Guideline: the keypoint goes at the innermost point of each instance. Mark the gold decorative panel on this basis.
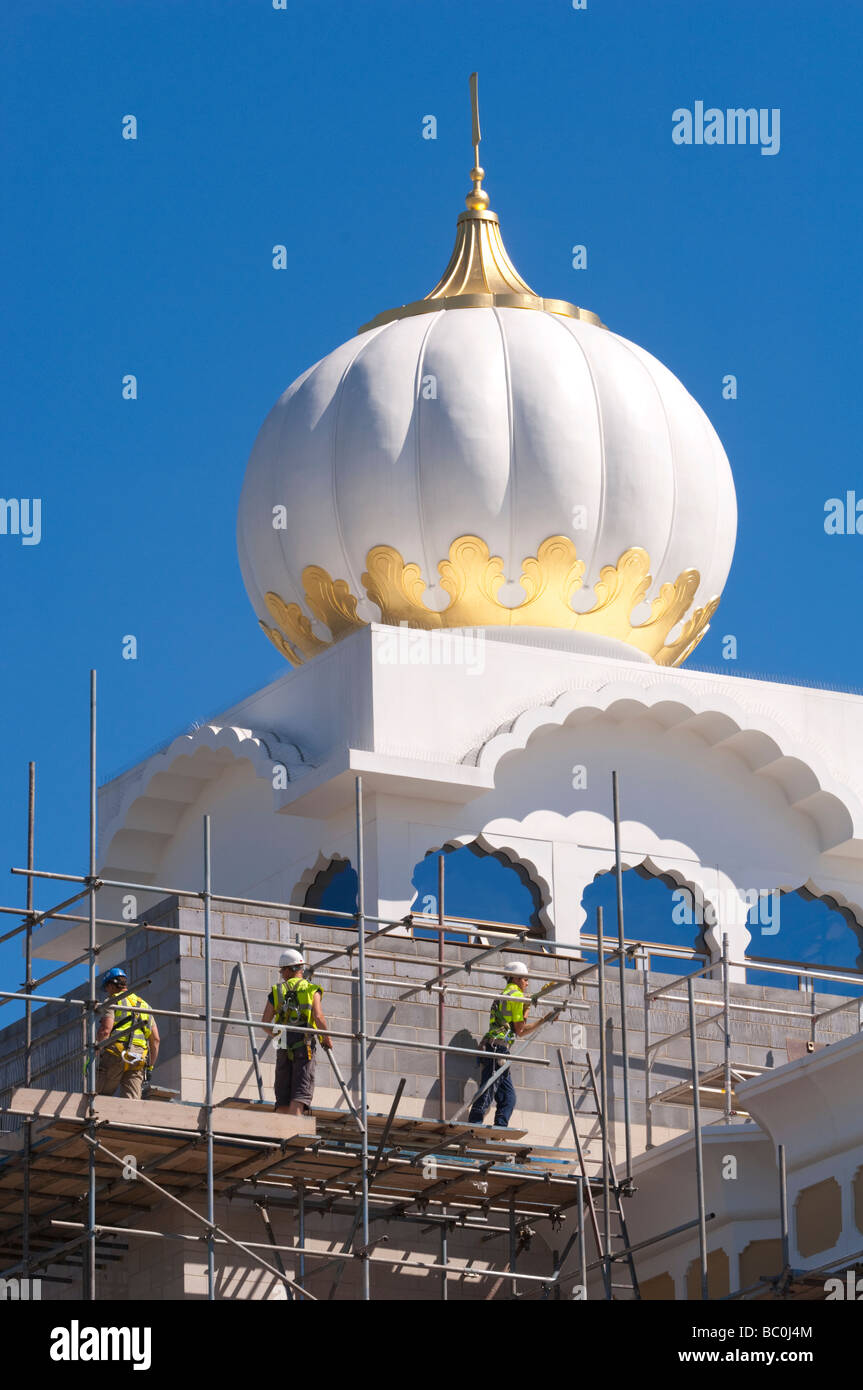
(818, 1217)
(758, 1260)
(472, 577)
(718, 1276)
(661, 1286)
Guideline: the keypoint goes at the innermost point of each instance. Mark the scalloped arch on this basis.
(802, 770)
(702, 897)
(515, 857)
(262, 750)
(659, 857)
(851, 911)
(833, 896)
(308, 876)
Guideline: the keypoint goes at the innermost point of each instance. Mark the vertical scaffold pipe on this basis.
(726, 1022)
(699, 1156)
(603, 1106)
(783, 1209)
(618, 876)
(441, 888)
(361, 984)
(28, 1012)
(208, 1067)
(90, 1262)
(582, 1242)
(256, 1056)
(813, 1008)
(648, 1121)
(301, 1207)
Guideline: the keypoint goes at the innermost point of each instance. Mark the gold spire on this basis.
(477, 199)
(480, 274)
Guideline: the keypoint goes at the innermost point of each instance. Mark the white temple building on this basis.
(486, 534)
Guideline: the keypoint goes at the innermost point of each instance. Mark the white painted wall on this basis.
(725, 783)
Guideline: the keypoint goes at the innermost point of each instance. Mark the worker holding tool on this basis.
(127, 1038)
(508, 1021)
(296, 1000)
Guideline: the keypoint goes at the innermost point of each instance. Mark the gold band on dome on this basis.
(472, 577)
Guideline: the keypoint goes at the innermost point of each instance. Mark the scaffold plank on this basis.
(264, 1124)
(711, 1087)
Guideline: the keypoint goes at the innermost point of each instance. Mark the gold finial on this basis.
(480, 274)
(477, 200)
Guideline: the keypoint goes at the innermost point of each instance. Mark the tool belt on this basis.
(499, 1045)
(133, 1055)
(297, 1045)
(134, 1058)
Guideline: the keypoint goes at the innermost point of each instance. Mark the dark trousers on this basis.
(501, 1091)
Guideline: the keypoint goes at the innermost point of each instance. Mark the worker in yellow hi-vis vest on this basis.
(131, 1040)
(507, 1022)
(296, 1000)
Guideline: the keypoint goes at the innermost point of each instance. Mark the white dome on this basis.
(492, 422)
(488, 458)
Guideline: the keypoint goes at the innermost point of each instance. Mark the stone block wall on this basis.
(401, 1014)
(401, 1011)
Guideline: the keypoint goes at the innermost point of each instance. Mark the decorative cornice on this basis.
(472, 577)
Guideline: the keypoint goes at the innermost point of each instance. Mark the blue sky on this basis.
(303, 127)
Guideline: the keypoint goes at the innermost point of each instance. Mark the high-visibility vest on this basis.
(506, 1011)
(132, 1028)
(292, 1002)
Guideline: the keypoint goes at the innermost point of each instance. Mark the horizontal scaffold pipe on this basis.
(130, 927)
(527, 1208)
(432, 926)
(455, 1271)
(282, 1028)
(69, 965)
(692, 975)
(35, 919)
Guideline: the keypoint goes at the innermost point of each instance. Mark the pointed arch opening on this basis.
(656, 908)
(482, 887)
(334, 887)
(797, 926)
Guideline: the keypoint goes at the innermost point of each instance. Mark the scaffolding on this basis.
(64, 1206)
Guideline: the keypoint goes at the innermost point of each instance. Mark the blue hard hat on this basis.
(116, 974)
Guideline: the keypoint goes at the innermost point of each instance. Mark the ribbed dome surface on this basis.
(499, 423)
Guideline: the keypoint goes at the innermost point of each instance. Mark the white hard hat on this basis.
(515, 967)
(290, 958)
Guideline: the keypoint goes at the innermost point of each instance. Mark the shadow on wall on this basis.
(462, 1073)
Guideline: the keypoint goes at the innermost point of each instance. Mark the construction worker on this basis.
(296, 1000)
(506, 1023)
(131, 1039)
